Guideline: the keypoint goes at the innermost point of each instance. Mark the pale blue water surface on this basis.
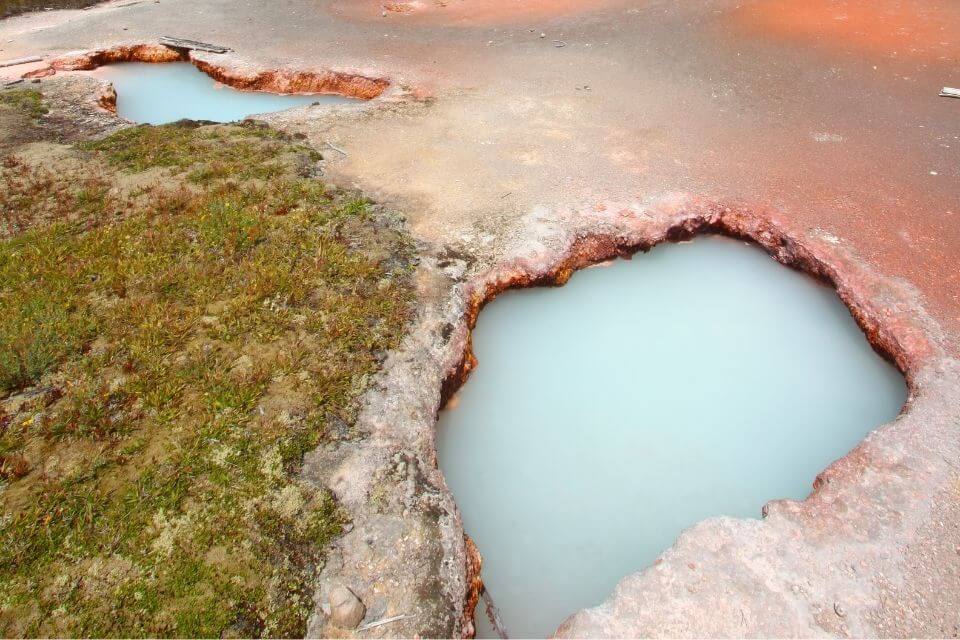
(608, 415)
(161, 93)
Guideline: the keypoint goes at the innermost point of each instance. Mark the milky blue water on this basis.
(161, 93)
(606, 416)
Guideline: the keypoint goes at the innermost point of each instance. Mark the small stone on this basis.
(839, 610)
(346, 610)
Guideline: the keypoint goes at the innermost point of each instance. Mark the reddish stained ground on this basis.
(468, 12)
(928, 30)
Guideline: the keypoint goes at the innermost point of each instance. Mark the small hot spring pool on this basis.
(610, 414)
(160, 93)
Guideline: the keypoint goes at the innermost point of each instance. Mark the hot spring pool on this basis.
(161, 93)
(608, 415)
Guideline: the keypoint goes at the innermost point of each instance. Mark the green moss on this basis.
(28, 101)
(244, 152)
(196, 346)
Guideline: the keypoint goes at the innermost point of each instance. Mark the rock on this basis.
(346, 610)
(108, 98)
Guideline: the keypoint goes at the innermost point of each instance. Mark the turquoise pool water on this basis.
(606, 416)
(161, 93)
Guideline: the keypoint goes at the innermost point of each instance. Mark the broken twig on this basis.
(949, 92)
(337, 149)
(380, 623)
(493, 614)
(18, 61)
(180, 43)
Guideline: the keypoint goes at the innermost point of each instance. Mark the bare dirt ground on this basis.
(531, 115)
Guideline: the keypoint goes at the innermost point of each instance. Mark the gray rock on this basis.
(346, 610)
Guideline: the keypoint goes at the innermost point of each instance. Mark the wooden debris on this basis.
(17, 61)
(380, 623)
(180, 43)
(13, 82)
(949, 92)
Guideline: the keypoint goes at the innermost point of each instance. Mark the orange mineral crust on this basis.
(923, 30)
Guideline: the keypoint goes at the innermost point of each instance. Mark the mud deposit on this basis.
(607, 416)
(162, 93)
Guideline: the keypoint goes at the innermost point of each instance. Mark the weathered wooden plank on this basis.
(16, 61)
(180, 43)
(950, 92)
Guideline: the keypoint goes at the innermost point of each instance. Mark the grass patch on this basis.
(27, 101)
(254, 152)
(34, 195)
(180, 355)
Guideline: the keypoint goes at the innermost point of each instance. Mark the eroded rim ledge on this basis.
(228, 69)
(411, 557)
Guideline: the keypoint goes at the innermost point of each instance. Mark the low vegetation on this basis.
(14, 7)
(27, 101)
(187, 312)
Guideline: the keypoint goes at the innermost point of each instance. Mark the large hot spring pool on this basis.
(608, 415)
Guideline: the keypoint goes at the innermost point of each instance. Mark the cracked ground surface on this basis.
(824, 112)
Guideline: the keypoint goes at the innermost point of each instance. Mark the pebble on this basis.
(346, 610)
